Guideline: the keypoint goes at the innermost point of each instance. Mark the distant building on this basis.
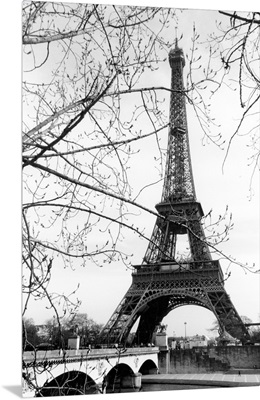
(198, 341)
(189, 342)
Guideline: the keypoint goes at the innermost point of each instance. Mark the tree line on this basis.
(50, 336)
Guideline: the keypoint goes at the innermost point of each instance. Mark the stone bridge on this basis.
(87, 371)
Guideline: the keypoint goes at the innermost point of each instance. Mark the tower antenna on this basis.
(176, 37)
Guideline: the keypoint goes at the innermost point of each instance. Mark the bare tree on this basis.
(253, 328)
(230, 64)
(81, 63)
(86, 104)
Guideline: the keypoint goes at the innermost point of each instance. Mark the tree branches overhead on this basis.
(81, 64)
(89, 101)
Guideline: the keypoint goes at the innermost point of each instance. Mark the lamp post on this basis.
(52, 332)
(185, 323)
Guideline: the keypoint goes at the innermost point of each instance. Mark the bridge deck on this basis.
(87, 353)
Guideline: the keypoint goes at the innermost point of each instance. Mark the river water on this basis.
(159, 387)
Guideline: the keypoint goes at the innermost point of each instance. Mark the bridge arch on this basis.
(148, 367)
(87, 372)
(117, 376)
(69, 383)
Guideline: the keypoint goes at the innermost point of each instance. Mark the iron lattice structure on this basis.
(161, 283)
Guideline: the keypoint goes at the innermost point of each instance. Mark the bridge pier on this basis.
(133, 380)
(163, 361)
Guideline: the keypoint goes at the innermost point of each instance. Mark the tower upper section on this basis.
(177, 101)
(176, 54)
(178, 181)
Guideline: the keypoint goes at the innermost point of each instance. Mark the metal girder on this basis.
(227, 315)
(162, 291)
(178, 181)
(161, 283)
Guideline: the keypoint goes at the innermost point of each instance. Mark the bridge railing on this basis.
(30, 356)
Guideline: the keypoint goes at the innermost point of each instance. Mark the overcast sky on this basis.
(244, 289)
(101, 289)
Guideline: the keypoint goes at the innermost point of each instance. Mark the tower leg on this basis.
(152, 297)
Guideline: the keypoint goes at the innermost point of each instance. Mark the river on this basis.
(159, 387)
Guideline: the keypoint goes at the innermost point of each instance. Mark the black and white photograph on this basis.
(139, 199)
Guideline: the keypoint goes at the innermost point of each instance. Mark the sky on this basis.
(244, 289)
(101, 289)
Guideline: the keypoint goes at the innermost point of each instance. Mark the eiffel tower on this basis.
(162, 283)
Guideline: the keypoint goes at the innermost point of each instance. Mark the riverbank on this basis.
(208, 379)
